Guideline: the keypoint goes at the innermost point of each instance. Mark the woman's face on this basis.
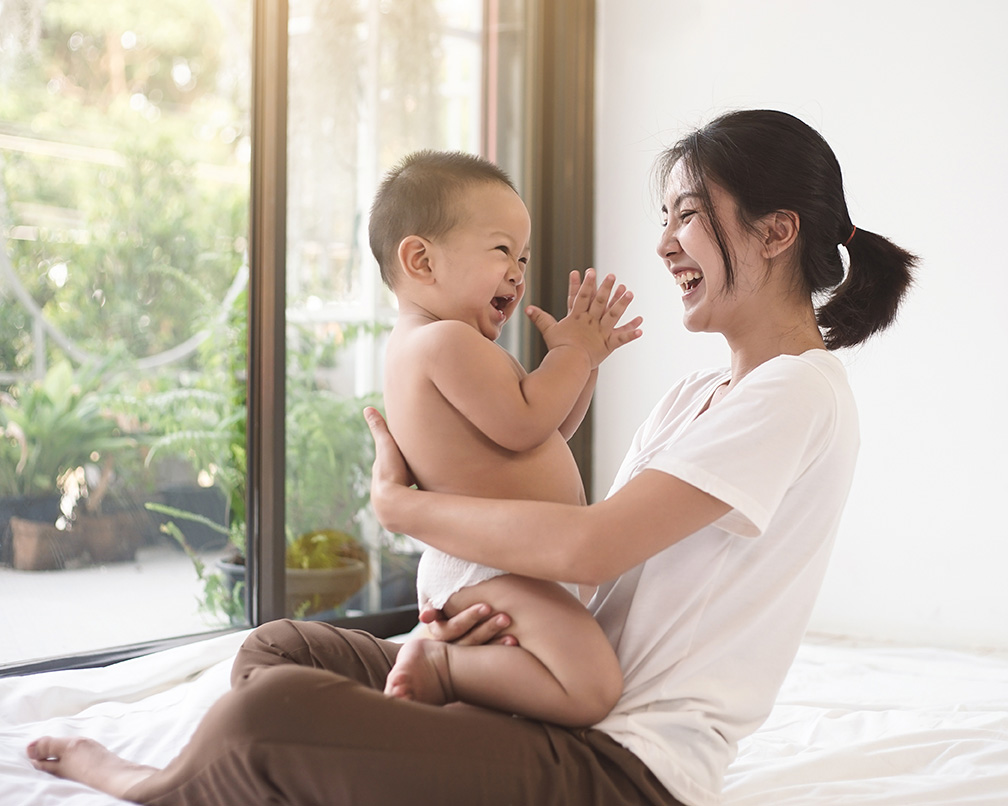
(690, 252)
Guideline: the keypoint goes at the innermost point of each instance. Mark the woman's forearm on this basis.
(533, 538)
(580, 544)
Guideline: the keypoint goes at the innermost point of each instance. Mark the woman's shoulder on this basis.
(690, 387)
(818, 371)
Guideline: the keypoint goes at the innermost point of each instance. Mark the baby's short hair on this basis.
(417, 197)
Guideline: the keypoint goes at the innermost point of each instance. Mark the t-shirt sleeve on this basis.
(750, 448)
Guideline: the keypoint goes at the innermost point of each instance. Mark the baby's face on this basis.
(480, 265)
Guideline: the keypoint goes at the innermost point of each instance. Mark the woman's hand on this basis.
(475, 625)
(390, 479)
(390, 475)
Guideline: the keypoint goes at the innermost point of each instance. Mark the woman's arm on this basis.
(585, 545)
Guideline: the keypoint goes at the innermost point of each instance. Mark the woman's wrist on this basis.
(390, 502)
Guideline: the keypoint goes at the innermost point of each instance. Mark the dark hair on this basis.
(417, 197)
(770, 161)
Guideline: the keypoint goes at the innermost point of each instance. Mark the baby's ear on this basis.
(415, 258)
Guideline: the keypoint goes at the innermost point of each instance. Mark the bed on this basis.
(854, 724)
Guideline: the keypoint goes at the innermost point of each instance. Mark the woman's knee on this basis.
(271, 644)
(317, 645)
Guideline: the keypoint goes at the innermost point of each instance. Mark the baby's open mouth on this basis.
(688, 280)
(500, 303)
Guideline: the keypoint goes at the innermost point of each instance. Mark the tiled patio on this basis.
(53, 613)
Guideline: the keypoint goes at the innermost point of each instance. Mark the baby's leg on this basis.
(563, 670)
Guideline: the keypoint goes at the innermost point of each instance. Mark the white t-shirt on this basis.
(705, 630)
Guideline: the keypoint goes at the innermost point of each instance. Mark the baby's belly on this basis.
(548, 473)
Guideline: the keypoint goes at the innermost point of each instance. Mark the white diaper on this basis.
(439, 575)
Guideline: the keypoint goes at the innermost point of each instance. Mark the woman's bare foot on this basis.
(86, 761)
(421, 673)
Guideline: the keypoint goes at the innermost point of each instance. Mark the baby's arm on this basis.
(483, 383)
(580, 408)
(520, 411)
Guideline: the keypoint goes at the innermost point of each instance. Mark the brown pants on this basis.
(306, 722)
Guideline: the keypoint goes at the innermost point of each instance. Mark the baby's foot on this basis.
(421, 673)
(86, 761)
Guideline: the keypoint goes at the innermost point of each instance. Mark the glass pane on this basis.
(369, 82)
(124, 177)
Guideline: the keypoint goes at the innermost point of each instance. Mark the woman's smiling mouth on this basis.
(688, 280)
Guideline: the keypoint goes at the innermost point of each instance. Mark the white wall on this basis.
(913, 97)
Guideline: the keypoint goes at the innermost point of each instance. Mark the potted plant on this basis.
(53, 426)
(324, 568)
(329, 456)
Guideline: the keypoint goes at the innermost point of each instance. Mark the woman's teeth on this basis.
(688, 280)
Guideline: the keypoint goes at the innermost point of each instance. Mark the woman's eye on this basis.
(686, 215)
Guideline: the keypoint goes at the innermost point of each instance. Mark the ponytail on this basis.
(866, 302)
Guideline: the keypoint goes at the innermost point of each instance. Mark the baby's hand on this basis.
(592, 317)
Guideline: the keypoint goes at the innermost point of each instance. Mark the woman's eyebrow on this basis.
(683, 196)
(679, 200)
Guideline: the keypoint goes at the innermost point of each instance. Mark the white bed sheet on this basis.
(853, 725)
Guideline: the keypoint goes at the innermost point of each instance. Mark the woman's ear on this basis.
(781, 231)
(415, 259)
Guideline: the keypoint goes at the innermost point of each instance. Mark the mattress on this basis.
(854, 724)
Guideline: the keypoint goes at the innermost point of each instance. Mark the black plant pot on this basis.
(206, 501)
(398, 582)
(309, 590)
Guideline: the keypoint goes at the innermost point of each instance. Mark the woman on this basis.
(707, 555)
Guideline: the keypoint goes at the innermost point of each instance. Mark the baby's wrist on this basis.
(576, 349)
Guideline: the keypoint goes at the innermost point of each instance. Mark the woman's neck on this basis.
(788, 332)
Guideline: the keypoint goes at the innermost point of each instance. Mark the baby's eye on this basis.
(523, 260)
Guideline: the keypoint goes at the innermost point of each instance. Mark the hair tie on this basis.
(850, 237)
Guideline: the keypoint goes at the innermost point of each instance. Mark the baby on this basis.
(451, 236)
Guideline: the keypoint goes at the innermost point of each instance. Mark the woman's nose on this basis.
(667, 244)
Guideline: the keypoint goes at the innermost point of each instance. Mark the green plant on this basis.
(54, 425)
(324, 548)
(329, 453)
(329, 456)
(218, 598)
